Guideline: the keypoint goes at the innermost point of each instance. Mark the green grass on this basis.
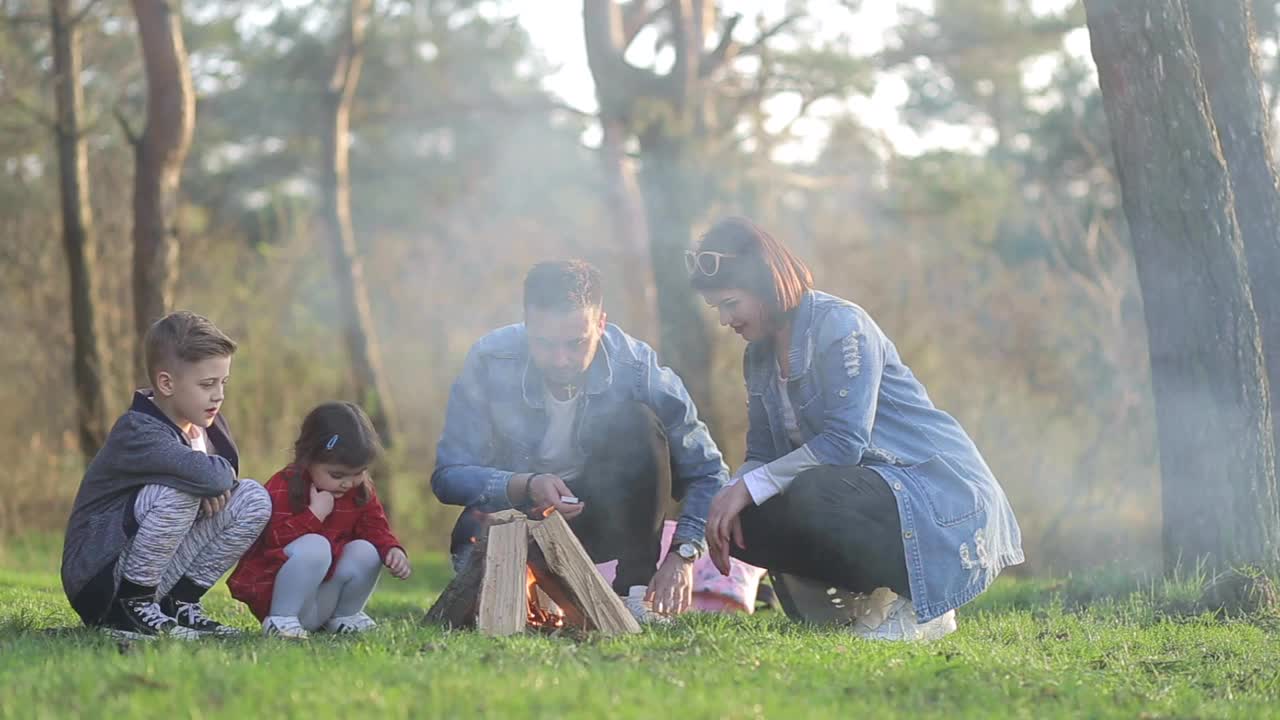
(1026, 649)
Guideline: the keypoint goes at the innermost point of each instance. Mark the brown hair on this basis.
(754, 261)
(183, 336)
(338, 433)
(563, 285)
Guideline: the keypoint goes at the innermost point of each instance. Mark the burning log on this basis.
(457, 605)
(504, 590)
(530, 573)
(567, 561)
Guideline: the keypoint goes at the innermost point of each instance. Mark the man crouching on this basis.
(566, 411)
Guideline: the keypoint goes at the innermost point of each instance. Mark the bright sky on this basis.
(556, 30)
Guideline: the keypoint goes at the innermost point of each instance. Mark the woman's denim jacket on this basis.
(857, 404)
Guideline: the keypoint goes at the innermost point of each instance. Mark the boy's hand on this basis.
(398, 563)
(211, 505)
(321, 502)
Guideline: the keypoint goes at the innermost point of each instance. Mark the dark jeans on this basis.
(836, 525)
(624, 485)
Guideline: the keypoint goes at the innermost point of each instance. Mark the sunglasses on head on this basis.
(706, 262)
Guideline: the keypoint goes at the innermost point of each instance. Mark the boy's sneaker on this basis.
(900, 624)
(142, 619)
(350, 624)
(640, 609)
(191, 615)
(283, 626)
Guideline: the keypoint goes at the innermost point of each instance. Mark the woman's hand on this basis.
(398, 563)
(724, 524)
(671, 589)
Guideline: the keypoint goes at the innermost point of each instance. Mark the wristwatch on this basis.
(688, 551)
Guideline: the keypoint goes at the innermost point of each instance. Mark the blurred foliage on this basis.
(1000, 266)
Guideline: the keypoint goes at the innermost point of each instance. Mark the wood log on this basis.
(456, 606)
(586, 589)
(556, 590)
(504, 598)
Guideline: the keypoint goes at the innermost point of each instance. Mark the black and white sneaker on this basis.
(142, 619)
(191, 615)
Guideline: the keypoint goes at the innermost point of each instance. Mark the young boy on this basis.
(160, 515)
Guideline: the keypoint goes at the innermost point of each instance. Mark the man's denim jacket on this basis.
(496, 420)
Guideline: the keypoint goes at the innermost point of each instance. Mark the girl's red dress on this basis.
(253, 580)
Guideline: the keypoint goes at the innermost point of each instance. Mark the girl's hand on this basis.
(321, 503)
(724, 524)
(398, 563)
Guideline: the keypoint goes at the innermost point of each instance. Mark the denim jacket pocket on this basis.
(952, 497)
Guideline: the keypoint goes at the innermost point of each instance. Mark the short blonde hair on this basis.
(183, 336)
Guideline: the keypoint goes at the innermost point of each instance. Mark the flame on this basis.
(540, 618)
(547, 513)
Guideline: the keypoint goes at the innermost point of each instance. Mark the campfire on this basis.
(530, 574)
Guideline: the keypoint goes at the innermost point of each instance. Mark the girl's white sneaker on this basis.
(283, 626)
(358, 623)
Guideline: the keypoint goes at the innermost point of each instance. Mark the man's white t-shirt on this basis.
(558, 453)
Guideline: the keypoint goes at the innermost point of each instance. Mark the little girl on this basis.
(317, 562)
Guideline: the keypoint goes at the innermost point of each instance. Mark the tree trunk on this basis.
(602, 25)
(1208, 375)
(348, 271)
(620, 87)
(160, 153)
(1224, 42)
(631, 231)
(672, 202)
(77, 227)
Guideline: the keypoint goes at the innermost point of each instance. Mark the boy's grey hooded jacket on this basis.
(143, 448)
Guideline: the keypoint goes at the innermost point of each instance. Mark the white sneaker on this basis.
(641, 609)
(899, 624)
(347, 624)
(284, 626)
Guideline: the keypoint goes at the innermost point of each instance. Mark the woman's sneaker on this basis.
(191, 615)
(283, 626)
(900, 624)
(350, 624)
(142, 619)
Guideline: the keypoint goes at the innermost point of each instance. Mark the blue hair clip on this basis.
(332, 441)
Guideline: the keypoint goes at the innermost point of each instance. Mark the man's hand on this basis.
(546, 490)
(671, 589)
(724, 524)
(398, 563)
(215, 504)
(321, 503)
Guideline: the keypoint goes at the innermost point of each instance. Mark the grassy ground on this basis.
(1024, 650)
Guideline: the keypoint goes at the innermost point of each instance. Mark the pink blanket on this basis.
(712, 592)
